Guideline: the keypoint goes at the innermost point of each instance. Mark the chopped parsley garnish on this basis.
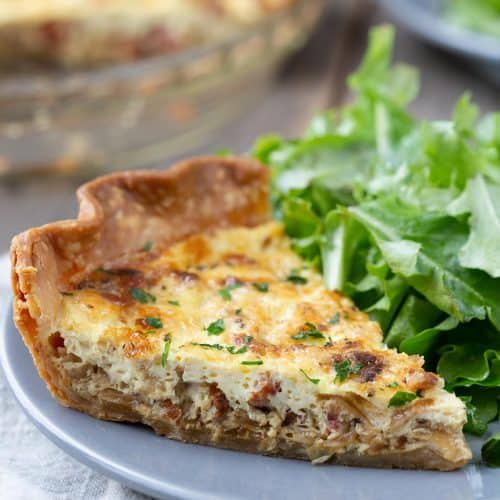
(261, 287)
(140, 295)
(335, 319)
(312, 380)
(166, 350)
(209, 346)
(174, 302)
(225, 292)
(150, 332)
(247, 339)
(401, 398)
(346, 368)
(231, 349)
(147, 246)
(238, 311)
(310, 331)
(216, 328)
(154, 322)
(392, 385)
(296, 278)
(254, 362)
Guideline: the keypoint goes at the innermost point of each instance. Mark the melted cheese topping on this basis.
(231, 307)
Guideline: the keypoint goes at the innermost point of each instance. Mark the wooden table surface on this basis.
(310, 81)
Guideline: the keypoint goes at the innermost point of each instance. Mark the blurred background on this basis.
(78, 98)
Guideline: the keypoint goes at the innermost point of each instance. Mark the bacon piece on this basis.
(267, 388)
(172, 411)
(56, 341)
(219, 400)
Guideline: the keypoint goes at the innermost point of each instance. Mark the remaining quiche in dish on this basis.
(174, 301)
(92, 32)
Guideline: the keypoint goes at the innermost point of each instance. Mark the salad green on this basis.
(476, 15)
(403, 215)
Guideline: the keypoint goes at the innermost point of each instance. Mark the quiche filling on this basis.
(230, 332)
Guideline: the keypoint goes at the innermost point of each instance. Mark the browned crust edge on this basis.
(118, 214)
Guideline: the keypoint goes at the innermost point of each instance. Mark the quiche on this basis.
(84, 33)
(175, 301)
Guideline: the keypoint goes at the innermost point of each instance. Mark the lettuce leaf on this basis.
(481, 199)
(422, 247)
(403, 215)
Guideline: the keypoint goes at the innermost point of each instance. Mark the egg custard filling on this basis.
(229, 332)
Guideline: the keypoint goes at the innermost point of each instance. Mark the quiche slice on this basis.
(174, 301)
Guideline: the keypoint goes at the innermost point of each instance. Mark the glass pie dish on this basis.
(144, 112)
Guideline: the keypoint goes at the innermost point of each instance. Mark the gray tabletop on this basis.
(312, 80)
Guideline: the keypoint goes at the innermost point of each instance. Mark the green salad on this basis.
(403, 215)
(476, 15)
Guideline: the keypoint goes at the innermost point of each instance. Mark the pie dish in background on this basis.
(431, 21)
(86, 33)
(139, 112)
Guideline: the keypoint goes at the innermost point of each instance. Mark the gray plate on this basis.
(424, 18)
(135, 456)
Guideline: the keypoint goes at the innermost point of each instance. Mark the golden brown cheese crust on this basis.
(271, 305)
(156, 258)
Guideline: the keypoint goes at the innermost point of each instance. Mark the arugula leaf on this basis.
(474, 424)
(481, 251)
(471, 356)
(480, 15)
(481, 406)
(490, 452)
(403, 215)
(343, 238)
(417, 327)
(422, 248)
(425, 342)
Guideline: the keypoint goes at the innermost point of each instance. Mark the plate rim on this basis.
(110, 466)
(77, 450)
(440, 32)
